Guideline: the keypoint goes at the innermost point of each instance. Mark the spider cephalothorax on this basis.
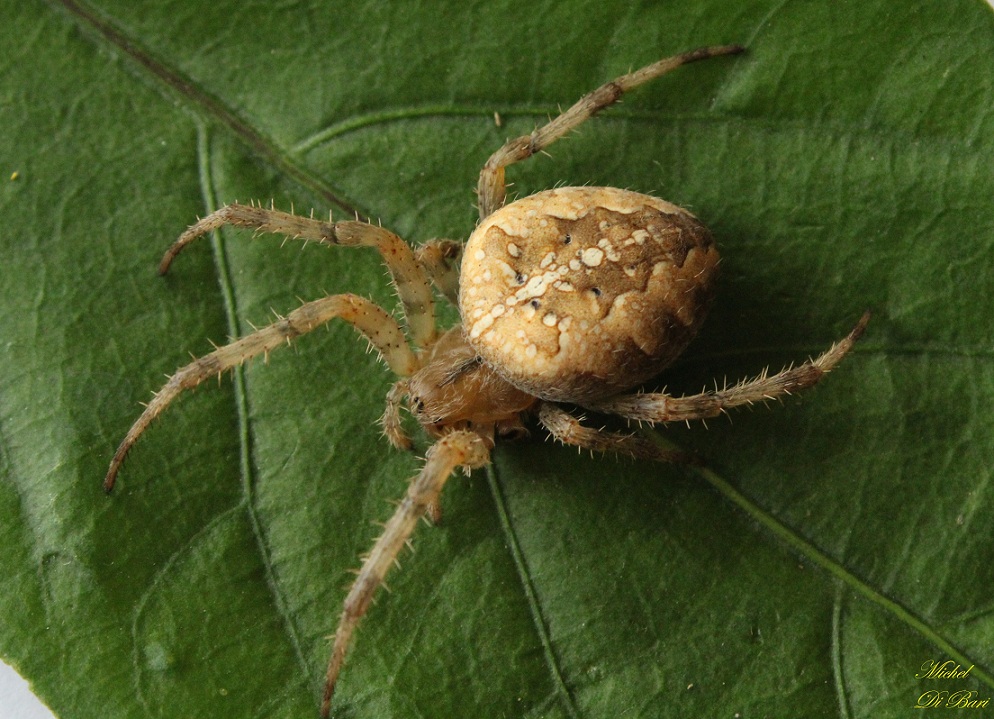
(576, 295)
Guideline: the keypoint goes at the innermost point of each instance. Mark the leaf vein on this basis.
(534, 606)
(837, 570)
(247, 469)
(204, 102)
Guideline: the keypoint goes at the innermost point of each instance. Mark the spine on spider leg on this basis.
(260, 219)
(185, 378)
(767, 387)
(661, 67)
(610, 92)
(460, 448)
(657, 407)
(372, 321)
(408, 276)
(214, 364)
(570, 431)
(490, 189)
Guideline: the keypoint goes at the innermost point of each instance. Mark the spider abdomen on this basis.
(578, 293)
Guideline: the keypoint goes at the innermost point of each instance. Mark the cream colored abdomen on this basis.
(579, 293)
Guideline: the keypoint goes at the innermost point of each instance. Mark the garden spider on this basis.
(575, 295)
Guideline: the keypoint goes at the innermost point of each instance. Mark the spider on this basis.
(574, 296)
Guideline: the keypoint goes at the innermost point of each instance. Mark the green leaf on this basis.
(835, 545)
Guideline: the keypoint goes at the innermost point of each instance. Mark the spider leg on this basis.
(658, 407)
(409, 277)
(569, 430)
(392, 428)
(491, 189)
(459, 448)
(440, 259)
(375, 323)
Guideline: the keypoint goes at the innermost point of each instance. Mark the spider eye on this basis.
(519, 278)
(534, 304)
(568, 239)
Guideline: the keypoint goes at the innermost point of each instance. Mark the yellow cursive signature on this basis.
(946, 670)
(962, 699)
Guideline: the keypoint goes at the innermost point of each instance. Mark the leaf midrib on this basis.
(207, 103)
(287, 161)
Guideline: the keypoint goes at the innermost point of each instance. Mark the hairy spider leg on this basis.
(460, 448)
(409, 277)
(393, 428)
(370, 319)
(441, 259)
(569, 430)
(491, 188)
(658, 407)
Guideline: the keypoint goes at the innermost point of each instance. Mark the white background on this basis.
(16, 700)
